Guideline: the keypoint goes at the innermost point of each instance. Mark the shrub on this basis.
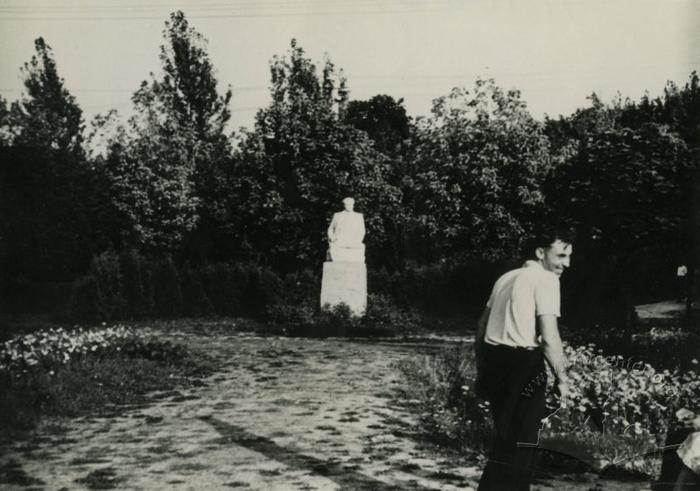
(220, 288)
(138, 283)
(437, 387)
(335, 321)
(84, 300)
(260, 288)
(295, 314)
(196, 302)
(384, 315)
(65, 373)
(303, 286)
(619, 408)
(166, 288)
(382, 318)
(671, 348)
(444, 289)
(240, 289)
(109, 286)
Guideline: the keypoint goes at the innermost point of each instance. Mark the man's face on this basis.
(349, 205)
(556, 257)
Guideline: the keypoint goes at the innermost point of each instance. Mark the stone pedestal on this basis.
(345, 282)
(347, 253)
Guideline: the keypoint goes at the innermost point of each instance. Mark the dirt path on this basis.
(281, 413)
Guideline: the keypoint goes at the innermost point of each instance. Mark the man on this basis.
(345, 234)
(516, 333)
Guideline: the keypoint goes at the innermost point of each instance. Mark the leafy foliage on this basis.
(619, 408)
(463, 186)
(163, 165)
(47, 116)
(300, 161)
(54, 206)
(56, 372)
(624, 180)
(480, 161)
(383, 119)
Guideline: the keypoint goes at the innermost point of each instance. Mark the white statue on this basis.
(345, 235)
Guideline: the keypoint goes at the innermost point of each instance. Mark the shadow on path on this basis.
(343, 475)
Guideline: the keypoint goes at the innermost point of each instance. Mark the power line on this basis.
(24, 9)
(77, 9)
(243, 13)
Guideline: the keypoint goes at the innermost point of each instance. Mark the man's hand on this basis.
(564, 392)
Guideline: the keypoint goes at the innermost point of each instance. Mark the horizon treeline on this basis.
(466, 185)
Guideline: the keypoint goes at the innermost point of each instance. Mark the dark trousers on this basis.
(513, 381)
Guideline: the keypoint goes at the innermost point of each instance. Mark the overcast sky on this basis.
(555, 51)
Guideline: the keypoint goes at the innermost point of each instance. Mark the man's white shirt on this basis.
(517, 298)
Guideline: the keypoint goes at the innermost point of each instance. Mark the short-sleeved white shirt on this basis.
(517, 298)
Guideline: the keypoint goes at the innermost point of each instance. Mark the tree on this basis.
(166, 164)
(49, 195)
(383, 119)
(47, 116)
(479, 165)
(5, 134)
(624, 193)
(187, 92)
(300, 160)
(622, 180)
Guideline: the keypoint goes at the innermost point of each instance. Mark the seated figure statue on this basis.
(345, 235)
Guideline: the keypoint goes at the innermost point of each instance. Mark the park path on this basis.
(279, 414)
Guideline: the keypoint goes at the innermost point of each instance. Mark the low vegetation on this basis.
(61, 373)
(620, 411)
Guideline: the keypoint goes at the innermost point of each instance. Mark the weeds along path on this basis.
(280, 413)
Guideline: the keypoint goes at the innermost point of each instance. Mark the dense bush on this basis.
(138, 283)
(619, 410)
(384, 315)
(670, 347)
(382, 318)
(621, 397)
(131, 286)
(196, 301)
(109, 286)
(166, 288)
(442, 288)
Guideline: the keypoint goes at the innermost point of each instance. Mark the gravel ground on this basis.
(279, 414)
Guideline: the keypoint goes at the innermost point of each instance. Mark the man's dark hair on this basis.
(544, 238)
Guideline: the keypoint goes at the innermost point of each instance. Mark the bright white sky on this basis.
(555, 51)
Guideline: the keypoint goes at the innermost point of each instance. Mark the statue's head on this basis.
(348, 203)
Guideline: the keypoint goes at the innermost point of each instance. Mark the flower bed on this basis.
(57, 372)
(619, 412)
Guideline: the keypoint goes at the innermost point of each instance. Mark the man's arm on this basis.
(481, 332)
(481, 325)
(362, 230)
(553, 350)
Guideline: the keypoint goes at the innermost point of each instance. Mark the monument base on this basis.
(345, 282)
(355, 254)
